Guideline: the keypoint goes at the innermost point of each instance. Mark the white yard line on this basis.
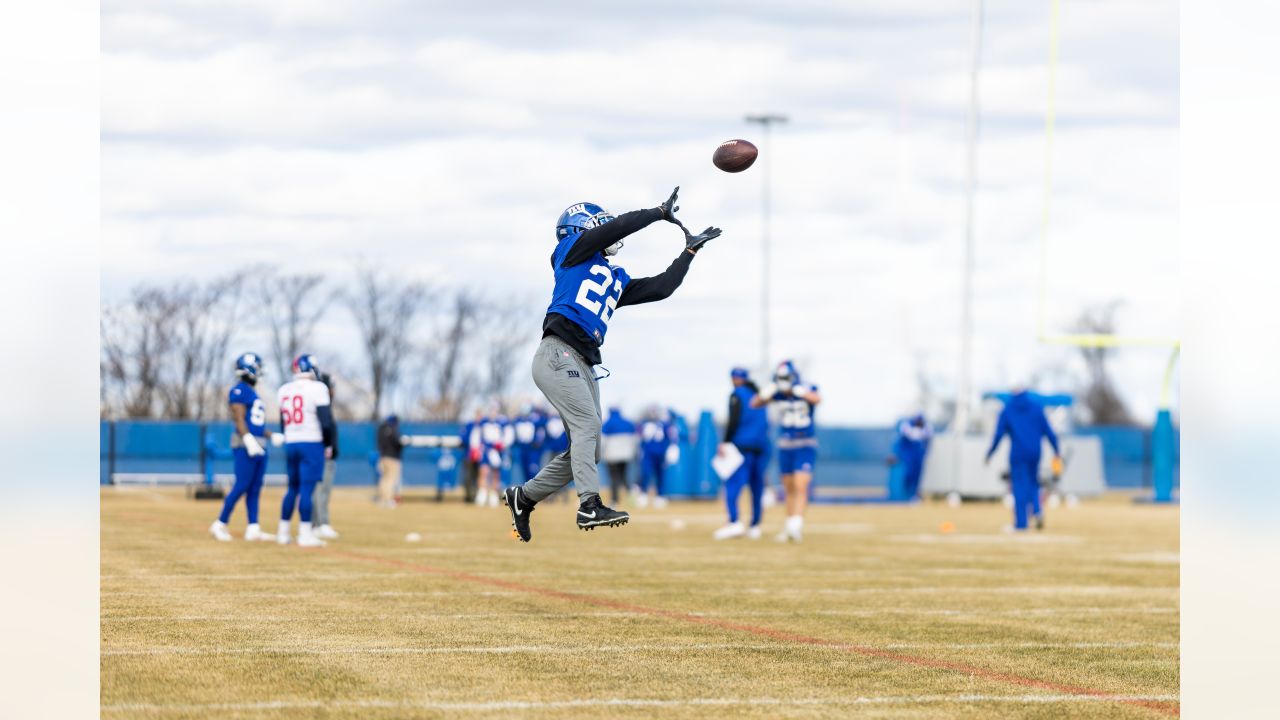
(630, 702)
(570, 649)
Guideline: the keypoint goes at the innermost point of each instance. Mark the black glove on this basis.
(669, 207)
(693, 242)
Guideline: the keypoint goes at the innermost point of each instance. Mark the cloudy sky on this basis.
(443, 139)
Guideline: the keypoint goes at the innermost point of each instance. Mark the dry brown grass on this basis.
(877, 614)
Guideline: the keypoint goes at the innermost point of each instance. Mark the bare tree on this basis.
(507, 333)
(1103, 403)
(385, 309)
(205, 319)
(451, 383)
(293, 305)
(136, 337)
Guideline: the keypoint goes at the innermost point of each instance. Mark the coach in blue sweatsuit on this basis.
(748, 430)
(1024, 421)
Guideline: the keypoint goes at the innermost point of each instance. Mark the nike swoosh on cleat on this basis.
(593, 514)
(516, 501)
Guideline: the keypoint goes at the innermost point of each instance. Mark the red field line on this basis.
(1165, 707)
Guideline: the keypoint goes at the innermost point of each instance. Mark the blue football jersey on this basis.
(795, 416)
(656, 436)
(255, 414)
(586, 293)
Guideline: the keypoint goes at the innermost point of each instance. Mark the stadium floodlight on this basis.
(766, 121)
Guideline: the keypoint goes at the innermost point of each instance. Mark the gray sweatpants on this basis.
(570, 386)
(320, 498)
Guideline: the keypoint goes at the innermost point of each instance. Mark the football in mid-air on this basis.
(734, 155)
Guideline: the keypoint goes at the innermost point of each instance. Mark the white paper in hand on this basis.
(727, 461)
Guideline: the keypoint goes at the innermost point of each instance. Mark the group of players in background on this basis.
(499, 451)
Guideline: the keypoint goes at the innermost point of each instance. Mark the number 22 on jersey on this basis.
(601, 290)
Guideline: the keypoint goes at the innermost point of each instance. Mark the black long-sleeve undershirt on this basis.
(328, 429)
(600, 237)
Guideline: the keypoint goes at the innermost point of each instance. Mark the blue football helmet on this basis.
(249, 367)
(579, 217)
(306, 363)
(786, 376)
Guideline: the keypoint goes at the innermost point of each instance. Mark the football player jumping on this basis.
(250, 455)
(798, 446)
(588, 289)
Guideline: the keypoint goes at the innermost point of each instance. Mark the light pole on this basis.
(766, 122)
(964, 388)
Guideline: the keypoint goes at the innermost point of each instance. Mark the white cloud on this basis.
(290, 134)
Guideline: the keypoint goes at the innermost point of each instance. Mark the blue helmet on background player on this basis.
(786, 376)
(583, 216)
(249, 367)
(306, 363)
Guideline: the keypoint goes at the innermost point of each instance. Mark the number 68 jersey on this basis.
(587, 293)
(299, 399)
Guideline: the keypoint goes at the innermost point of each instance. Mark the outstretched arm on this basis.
(600, 237)
(658, 287)
(1002, 429)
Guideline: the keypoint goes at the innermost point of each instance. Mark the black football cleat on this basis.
(1039, 522)
(593, 514)
(520, 506)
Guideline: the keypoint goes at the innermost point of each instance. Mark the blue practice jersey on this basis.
(255, 414)
(656, 436)
(529, 430)
(795, 417)
(586, 293)
(753, 423)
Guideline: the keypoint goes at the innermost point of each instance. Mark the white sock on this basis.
(304, 528)
(283, 529)
(252, 529)
(219, 524)
(795, 523)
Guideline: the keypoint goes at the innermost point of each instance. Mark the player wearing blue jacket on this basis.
(798, 445)
(909, 449)
(748, 431)
(529, 432)
(1024, 422)
(250, 419)
(588, 289)
(617, 449)
(657, 435)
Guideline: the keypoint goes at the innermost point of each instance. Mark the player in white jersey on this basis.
(495, 436)
(307, 421)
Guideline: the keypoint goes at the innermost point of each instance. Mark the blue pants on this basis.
(250, 472)
(1025, 484)
(751, 472)
(305, 464)
(528, 459)
(912, 467)
(653, 468)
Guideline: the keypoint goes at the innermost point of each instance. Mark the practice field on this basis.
(877, 614)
